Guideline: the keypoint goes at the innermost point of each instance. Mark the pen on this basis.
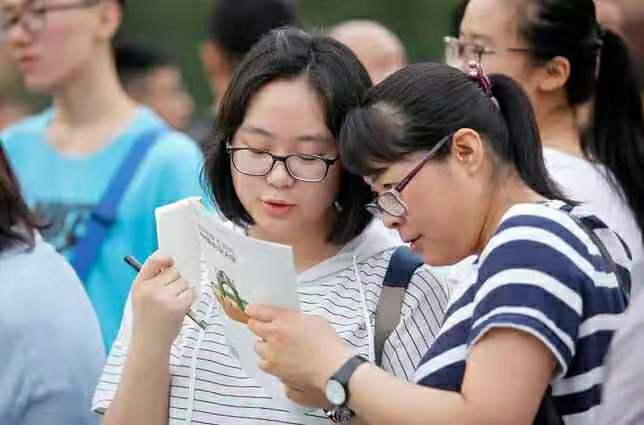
(137, 266)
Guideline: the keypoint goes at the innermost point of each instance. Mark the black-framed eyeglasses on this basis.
(302, 167)
(390, 202)
(459, 52)
(32, 16)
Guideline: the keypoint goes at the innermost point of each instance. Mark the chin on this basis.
(275, 229)
(39, 86)
(434, 257)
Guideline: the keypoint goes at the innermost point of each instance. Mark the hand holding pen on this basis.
(160, 298)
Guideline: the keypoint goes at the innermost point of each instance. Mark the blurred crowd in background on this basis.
(164, 54)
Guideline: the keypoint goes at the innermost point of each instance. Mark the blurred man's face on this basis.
(53, 41)
(164, 92)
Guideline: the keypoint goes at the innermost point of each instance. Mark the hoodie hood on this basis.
(375, 239)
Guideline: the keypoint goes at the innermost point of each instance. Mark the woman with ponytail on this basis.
(456, 162)
(584, 89)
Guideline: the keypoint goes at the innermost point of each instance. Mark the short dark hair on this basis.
(338, 78)
(135, 60)
(17, 224)
(416, 107)
(237, 25)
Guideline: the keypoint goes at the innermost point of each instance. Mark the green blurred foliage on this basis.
(179, 26)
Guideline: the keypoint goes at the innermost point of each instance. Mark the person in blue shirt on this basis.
(457, 164)
(51, 352)
(66, 156)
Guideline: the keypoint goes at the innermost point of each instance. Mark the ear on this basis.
(468, 151)
(109, 19)
(554, 75)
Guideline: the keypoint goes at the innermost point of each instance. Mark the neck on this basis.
(507, 190)
(309, 248)
(559, 129)
(108, 104)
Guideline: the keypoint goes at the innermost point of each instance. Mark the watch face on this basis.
(335, 393)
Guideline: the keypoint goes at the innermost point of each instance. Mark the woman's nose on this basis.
(390, 221)
(279, 176)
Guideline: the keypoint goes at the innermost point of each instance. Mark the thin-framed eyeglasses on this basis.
(302, 167)
(390, 202)
(459, 52)
(32, 16)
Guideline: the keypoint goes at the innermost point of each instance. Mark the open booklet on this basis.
(239, 270)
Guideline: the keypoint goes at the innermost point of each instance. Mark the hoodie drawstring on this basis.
(365, 312)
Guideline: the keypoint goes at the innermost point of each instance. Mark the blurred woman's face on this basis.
(493, 25)
(444, 208)
(287, 117)
(52, 40)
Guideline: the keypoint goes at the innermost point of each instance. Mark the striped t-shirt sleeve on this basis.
(529, 280)
(111, 376)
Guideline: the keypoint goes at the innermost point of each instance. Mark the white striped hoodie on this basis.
(208, 386)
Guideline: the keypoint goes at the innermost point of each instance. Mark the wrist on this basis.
(337, 390)
(152, 348)
(333, 364)
(356, 382)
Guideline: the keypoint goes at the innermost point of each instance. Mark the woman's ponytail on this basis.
(616, 136)
(524, 144)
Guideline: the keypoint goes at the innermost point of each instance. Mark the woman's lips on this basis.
(415, 245)
(277, 208)
(27, 63)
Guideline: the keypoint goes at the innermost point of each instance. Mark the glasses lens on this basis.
(391, 205)
(31, 18)
(307, 168)
(374, 210)
(34, 19)
(252, 162)
(7, 20)
(452, 54)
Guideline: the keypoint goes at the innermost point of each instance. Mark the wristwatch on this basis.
(337, 390)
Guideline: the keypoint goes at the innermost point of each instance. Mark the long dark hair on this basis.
(338, 78)
(600, 66)
(616, 136)
(17, 224)
(421, 104)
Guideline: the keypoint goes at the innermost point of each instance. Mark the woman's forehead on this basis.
(389, 173)
(489, 21)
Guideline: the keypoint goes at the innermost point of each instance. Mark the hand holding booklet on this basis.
(240, 271)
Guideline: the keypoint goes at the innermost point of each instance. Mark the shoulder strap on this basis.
(402, 265)
(547, 413)
(624, 288)
(103, 216)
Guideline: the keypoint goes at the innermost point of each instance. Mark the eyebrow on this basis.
(477, 36)
(376, 179)
(313, 137)
(16, 5)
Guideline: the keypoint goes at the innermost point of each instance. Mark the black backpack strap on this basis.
(624, 287)
(402, 265)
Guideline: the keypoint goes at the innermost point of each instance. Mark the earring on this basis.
(338, 207)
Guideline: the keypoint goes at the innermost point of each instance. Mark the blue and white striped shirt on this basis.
(540, 273)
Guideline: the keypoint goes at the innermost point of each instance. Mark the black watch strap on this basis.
(343, 375)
